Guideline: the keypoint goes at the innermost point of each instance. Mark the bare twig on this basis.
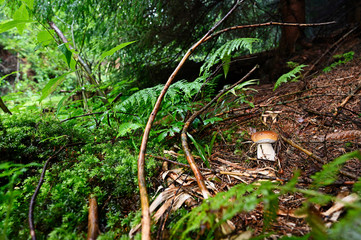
(33, 198)
(146, 221)
(295, 145)
(269, 24)
(347, 99)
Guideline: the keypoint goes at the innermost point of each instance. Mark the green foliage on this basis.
(224, 53)
(93, 166)
(329, 171)
(201, 151)
(10, 175)
(339, 60)
(292, 76)
(240, 92)
(52, 85)
(175, 107)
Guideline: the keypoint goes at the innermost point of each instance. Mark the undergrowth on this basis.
(203, 221)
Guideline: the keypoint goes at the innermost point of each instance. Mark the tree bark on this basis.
(292, 11)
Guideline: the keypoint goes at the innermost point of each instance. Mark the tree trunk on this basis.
(292, 11)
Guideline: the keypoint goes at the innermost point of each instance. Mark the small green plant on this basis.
(292, 76)
(339, 60)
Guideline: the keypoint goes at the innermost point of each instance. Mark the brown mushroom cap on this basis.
(264, 137)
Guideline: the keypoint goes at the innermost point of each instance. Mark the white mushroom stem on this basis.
(265, 151)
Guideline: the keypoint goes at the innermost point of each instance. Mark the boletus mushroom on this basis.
(264, 142)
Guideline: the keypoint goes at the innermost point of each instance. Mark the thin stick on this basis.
(347, 99)
(146, 224)
(33, 198)
(295, 145)
(269, 24)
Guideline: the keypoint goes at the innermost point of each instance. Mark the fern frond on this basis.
(291, 76)
(329, 171)
(225, 51)
(144, 99)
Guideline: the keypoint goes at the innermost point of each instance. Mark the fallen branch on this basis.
(347, 99)
(33, 198)
(295, 145)
(93, 220)
(146, 224)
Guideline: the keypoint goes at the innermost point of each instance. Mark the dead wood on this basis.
(347, 99)
(295, 145)
(93, 220)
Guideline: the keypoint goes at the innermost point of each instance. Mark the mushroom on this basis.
(264, 142)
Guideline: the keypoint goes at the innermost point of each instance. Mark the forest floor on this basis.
(318, 119)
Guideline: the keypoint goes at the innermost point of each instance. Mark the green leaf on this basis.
(6, 26)
(200, 150)
(226, 64)
(67, 53)
(112, 51)
(52, 85)
(61, 102)
(44, 37)
(212, 120)
(5, 76)
(21, 14)
(127, 127)
(29, 4)
(292, 75)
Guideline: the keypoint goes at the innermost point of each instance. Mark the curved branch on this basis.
(33, 198)
(186, 149)
(146, 220)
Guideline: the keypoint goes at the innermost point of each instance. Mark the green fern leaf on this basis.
(226, 50)
(292, 75)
